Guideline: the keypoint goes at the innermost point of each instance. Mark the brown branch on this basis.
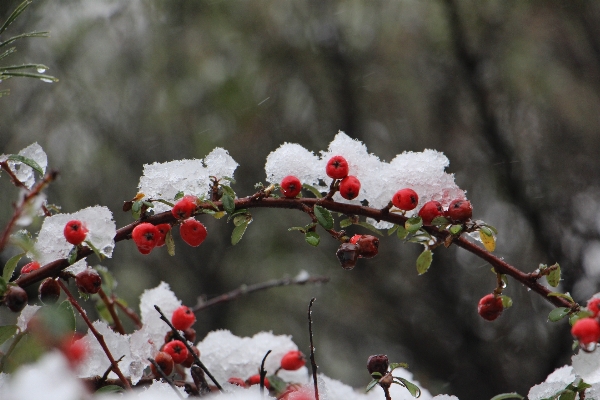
(52, 269)
(312, 349)
(96, 334)
(110, 305)
(244, 289)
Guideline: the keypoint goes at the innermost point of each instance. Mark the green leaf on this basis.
(558, 313)
(95, 250)
(3, 286)
(456, 229)
(312, 238)
(238, 232)
(27, 350)
(72, 256)
(424, 261)
(66, 313)
(412, 388)
(20, 8)
(413, 224)
(401, 232)
(241, 219)
(277, 384)
(376, 375)
(345, 223)
(27, 161)
(567, 394)
(178, 195)
(370, 227)
(170, 243)
(505, 396)
(562, 295)
(6, 332)
(297, 228)
(228, 191)
(392, 230)
(371, 384)
(228, 203)
(440, 222)
(313, 190)
(324, 217)
(110, 389)
(487, 238)
(393, 366)
(553, 277)
(9, 267)
(506, 302)
(219, 215)
(23, 239)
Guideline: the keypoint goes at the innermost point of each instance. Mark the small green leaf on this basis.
(456, 229)
(72, 257)
(312, 238)
(413, 224)
(440, 222)
(324, 217)
(579, 315)
(553, 277)
(567, 394)
(110, 389)
(506, 302)
(412, 388)
(228, 191)
(376, 375)
(10, 266)
(401, 232)
(562, 295)
(241, 219)
(95, 250)
(558, 313)
(6, 332)
(238, 232)
(392, 230)
(505, 396)
(313, 190)
(277, 384)
(3, 286)
(228, 203)
(345, 223)
(219, 215)
(27, 161)
(178, 195)
(370, 227)
(170, 243)
(371, 384)
(297, 228)
(424, 261)
(487, 238)
(393, 366)
(486, 231)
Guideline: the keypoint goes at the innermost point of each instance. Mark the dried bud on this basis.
(347, 253)
(378, 363)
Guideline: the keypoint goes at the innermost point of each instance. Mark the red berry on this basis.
(190, 358)
(355, 238)
(378, 363)
(32, 266)
(349, 187)
(163, 229)
(75, 232)
(337, 167)
(184, 208)
(405, 199)
(368, 246)
(165, 362)
(347, 253)
(430, 211)
(460, 210)
(291, 186)
(145, 236)
(15, 298)
(189, 334)
(293, 360)
(237, 381)
(594, 305)
(490, 307)
(49, 291)
(586, 330)
(74, 350)
(192, 232)
(177, 350)
(88, 281)
(183, 318)
(293, 392)
(255, 380)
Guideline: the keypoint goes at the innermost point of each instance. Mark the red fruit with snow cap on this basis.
(75, 232)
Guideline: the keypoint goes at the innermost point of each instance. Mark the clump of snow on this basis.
(24, 172)
(587, 366)
(293, 159)
(33, 208)
(52, 245)
(226, 355)
(25, 316)
(77, 267)
(163, 297)
(220, 164)
(554, 383)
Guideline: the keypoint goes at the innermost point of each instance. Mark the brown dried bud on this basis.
(378, 363)
(347, 253)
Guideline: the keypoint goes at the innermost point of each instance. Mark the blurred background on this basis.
(508, 90)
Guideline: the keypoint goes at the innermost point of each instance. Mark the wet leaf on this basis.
(312, 238)
(72, 257)
(440, 222)
(66, 314)
(238, 233)
(424, 261)
(412, 388)
(371, 384)
(228, 203)
(567, 394)
(393, 366)
(6, 332)
(277, 384)
(401, 232)
(562, 295)
(456, 229)
(345, 223)
(228, 191)
(558, 313)
(488, 240)
(324, 217)
(506, 302)
(9, 267)
(413, 224)
(27, 161)
(313, 190)
(553, 277)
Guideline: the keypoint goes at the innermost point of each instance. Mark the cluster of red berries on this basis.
(291, 361)
(175, 352)
(458, 211)
(587, 330)
(490, 307)
(337, 168)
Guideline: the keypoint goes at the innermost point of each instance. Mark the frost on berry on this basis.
(192, 232)
(490, 307)
(291, 186)
(52, 245)
(75, 232)
(145, 236)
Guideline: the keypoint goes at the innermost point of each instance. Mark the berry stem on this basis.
(96, 334)
(110, 305)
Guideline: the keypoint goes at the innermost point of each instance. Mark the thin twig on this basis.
(96, 334)
(129, 312)
(263, 373)
(245, 289)
(164, 376)
(199, 380)
(110, 305)
(177, 336)
(312, 349)
(108, 371)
